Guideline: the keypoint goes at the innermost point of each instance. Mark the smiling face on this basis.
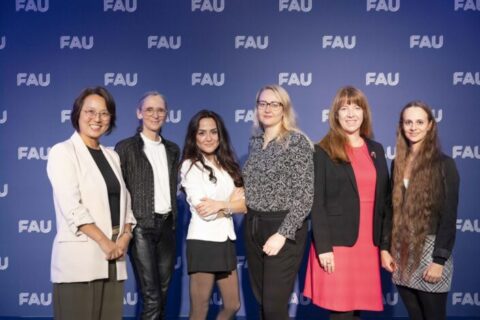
(269, 109)
(207, 137)
(415, 125)
(350, 118)
(94, 120)
(153, 114)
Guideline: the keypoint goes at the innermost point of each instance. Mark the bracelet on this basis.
(228, 214)
(127, 232)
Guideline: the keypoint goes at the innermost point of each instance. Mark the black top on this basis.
(113, 186)
(336, 205)
(138, 175)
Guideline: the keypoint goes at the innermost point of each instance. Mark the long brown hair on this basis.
(336, 141)
(413, 206)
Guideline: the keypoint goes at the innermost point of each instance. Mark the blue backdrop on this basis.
(216, 54)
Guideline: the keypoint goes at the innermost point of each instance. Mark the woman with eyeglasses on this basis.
(350, 202)
(421, 234)
(278, 178)
(93, 215)
(213, 184)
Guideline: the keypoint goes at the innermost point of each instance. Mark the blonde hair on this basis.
(336, 141)
(289, 122)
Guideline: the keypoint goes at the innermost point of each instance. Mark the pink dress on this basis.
(355, 284)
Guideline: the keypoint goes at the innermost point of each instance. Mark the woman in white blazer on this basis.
(93, 215)
(212, 181)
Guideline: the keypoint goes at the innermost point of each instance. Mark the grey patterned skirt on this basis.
(416, 281)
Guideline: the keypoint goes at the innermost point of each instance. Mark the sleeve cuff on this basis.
(439, 260)
(79, 217)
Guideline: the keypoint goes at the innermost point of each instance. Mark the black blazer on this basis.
(138, 176)
(336, 204)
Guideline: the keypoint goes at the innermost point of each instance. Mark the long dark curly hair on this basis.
(413, 206)
(224, 153)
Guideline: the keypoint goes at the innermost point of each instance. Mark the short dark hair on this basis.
(78, 104)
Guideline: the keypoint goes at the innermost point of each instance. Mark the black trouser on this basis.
(423, 305)
(272, 277)
(153, 259)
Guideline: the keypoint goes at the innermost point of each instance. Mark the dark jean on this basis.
(153, 259)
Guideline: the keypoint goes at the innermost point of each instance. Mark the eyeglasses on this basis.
(151, 111)
(416, 124)
(275, 105)
(92, 114)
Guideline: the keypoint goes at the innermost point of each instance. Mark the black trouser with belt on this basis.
(153, 259)
(272, 277)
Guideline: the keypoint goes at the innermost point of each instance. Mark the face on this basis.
(207, 136)
(415, 125)
(153, 113)
(350, 117)
(94, 118)
(269, 109)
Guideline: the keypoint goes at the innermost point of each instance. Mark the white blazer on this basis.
(80, 196)
(196, 183)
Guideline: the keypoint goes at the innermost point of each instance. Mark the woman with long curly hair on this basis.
(352, 196)
(213, 184)
(421, 235)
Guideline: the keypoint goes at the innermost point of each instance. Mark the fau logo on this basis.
(33, 153)
(325, 114)
(251, 42)
(33, 298)
(32, 79)
(3, 119)
(293, 78)
(31, 5)
(4, 191)
(465, 152)
(473, 5)
(3, 263)
(75, 42)
(390, 298)
(419, 41)
(65, 115)
(208, 5)
(3, 42)
(120, 5)
(174, 116)
(466, 78)
(245, 115)
(334, 42)
(34, 226)
(297, 299)
(390, 152)
(130, 299)
(380, 78)
(383, 5)
(295, 5)
(466, 298)
(207, 79)
(465, 225)
(164, 42)
(120, 79)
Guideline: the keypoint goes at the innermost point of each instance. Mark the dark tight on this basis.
(201, 286)
(348, 315)
(423, 305)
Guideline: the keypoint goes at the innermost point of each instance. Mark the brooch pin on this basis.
(373, 155)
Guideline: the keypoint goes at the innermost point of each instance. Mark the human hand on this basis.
(387, 261)
(109, 248)
(237, 194)
(274, 244)
(433, 273)
(327, 262)
(122, 244)
(208, 207)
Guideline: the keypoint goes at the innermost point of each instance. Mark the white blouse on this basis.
(197, 185)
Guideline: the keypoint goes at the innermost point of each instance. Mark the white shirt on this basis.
(195, 180)
(157, 156)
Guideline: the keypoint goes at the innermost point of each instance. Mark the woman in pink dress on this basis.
(350, 200)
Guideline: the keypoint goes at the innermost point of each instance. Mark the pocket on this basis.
(70, 237)
(267, 227)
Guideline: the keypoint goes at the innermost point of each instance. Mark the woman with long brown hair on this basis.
(425, 198)
(351, 197)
